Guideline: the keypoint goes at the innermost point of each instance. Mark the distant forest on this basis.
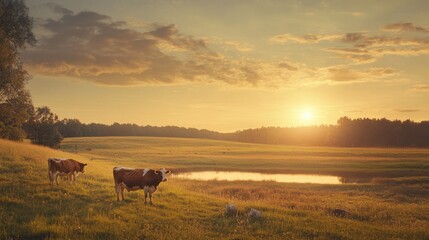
(361, 132)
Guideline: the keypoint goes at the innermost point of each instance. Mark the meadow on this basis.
(392, 204)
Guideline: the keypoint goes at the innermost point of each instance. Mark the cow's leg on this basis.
(51, 180)
(117, 189)
(122, 187)
(145, 194)
(72, 178)
(122, 193)
(150, 197)
(56, 175)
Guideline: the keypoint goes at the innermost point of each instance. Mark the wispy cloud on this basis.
(404, 27)
(358, 14)
(365, 47)
(344, 74)
(288, 66)
(407, 110)
(368, 49)
(355, 54)
(236, 45)
(363, 40)
(239, 45)
(305, 39)
(421, 88)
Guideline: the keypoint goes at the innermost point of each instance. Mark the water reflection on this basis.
(251, 176)
(360, 179)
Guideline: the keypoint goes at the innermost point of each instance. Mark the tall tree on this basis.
(70, 128)
(43, 128)
(15, 101)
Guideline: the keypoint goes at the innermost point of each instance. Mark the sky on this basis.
(230, 65)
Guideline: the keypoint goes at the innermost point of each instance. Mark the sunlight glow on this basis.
(307, 115)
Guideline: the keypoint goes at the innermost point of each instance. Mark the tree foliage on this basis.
(74, 128)
(361, 132)
(15, 101)
(43, 128)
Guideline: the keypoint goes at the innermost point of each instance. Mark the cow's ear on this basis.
(85, 164)
(168, 171)
(156, 172)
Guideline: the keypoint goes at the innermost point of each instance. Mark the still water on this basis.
(251, 176)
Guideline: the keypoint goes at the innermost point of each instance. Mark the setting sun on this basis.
(307, 115)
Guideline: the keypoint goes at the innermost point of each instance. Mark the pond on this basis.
(252, 176)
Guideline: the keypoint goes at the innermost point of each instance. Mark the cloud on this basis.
(368, 48)
(421, 88)
(91, 46)
(363, 55)
(404, 27)
(353, 37)
(354, 14)
(358, 14)
(363, 40)
(365, 47)
(342, 74)
(359, 39)
(407, 110)
(59, 9)
(355, 54)
(240, 46)
(288, 66)
(305, 39)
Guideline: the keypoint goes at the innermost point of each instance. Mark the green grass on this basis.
(394, 206)
(195, 154)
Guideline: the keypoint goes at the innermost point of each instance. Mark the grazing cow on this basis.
(135, 179)
(64, 167)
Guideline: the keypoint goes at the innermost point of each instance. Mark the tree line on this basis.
(360, 132)
(74, 128)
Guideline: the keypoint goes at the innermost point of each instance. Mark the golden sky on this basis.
(229, 65)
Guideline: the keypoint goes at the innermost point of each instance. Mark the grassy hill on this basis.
(183, 209)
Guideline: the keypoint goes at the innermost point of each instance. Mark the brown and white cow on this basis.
(64, 167)
(134, 179)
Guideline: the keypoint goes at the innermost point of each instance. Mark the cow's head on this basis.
(81, 167)
(163, 173)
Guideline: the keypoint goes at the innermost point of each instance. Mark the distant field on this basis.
(197, 154)
(395, 206)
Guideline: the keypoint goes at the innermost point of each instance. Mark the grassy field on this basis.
(195, 154)
(393, 206)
